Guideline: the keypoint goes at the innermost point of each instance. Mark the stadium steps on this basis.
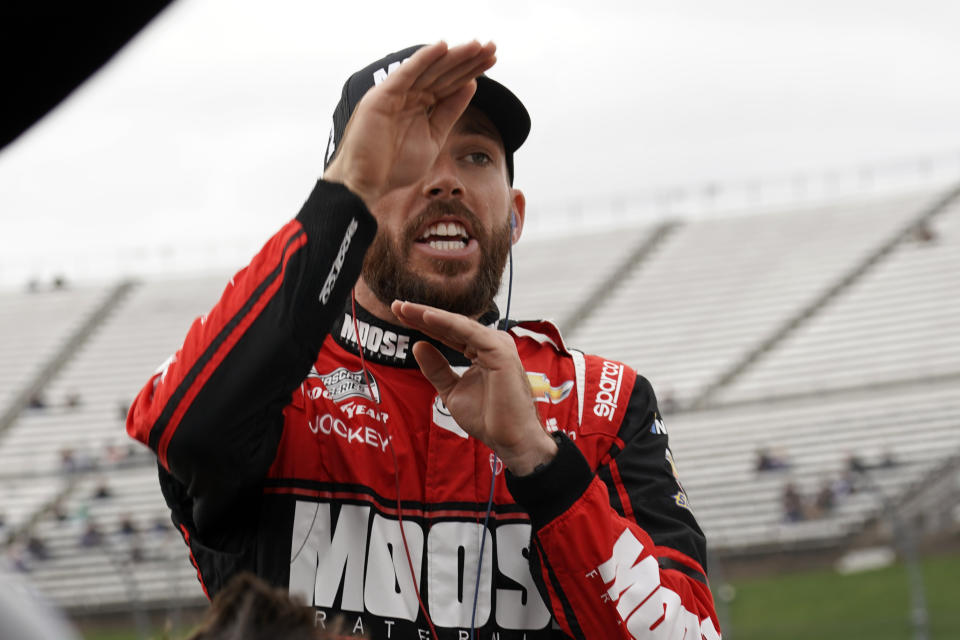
(105, 577)
(931, 503)
(63, 355)
(553, 276)
(822, 301)
(106, 373)
(896, 324)
(917, 424)
(23, 500)
(617, 275)
(702, 298)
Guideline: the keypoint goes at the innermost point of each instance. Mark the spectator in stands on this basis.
(887, 459)
(825, 500)
(68, 462)
(129, 538)
(247, 608)
(37, 547)
(844, 484)
(793, 509)
(159, 533)
(127, 527)
(924, 234)
(856, 464)
(668, 402)
(768, 460)
(37, 401)
(123, 407)
(160, 525)
(115, 454)
(92, 536)
(102, 489)
(72, 400)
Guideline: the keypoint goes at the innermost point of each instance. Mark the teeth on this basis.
(447, 245)
(448, 229)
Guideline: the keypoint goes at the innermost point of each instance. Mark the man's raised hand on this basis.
(491, 400)
(400, 125)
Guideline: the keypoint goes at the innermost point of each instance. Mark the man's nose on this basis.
(443, 180)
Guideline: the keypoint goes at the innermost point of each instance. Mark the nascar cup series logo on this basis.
(342, 383)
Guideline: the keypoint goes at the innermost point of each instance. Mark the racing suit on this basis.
(347, 481)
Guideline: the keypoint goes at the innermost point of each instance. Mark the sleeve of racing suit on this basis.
(617, 551)
(213, 414)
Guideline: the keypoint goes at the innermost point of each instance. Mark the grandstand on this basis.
(827, 332)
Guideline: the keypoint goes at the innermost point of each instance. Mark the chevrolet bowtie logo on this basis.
(543, 391)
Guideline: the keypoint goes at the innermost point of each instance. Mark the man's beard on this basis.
(387, 272)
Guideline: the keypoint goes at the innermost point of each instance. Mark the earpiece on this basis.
(513, 219)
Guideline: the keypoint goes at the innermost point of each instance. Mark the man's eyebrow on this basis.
(475, 127)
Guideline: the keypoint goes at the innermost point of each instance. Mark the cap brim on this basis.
(505, 110)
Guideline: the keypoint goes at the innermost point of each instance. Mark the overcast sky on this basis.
(206, 132)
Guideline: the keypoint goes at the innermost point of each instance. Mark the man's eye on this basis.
(479, 158)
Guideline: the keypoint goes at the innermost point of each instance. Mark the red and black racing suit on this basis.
(278, 455)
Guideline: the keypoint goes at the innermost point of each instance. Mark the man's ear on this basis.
(518, 212)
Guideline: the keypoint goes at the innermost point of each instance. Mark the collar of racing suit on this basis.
(392, 344)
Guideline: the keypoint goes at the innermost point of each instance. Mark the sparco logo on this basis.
(338, 262)
(605, 404)
(342, 383)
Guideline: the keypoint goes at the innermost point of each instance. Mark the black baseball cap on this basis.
(499, 104)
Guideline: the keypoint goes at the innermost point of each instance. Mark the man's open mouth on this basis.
(445, 236)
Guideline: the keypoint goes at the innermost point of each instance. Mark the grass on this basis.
(820, 605)
(826, 605)
(131, 634)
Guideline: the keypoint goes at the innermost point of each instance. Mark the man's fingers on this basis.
(454, 330)
(449, 109)
(435, 368)
(464, 72)
(413, 318)
(472, 74)
(409, 72)
(437, 323)
(461, 57)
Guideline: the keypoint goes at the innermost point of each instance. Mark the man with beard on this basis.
(350, 421)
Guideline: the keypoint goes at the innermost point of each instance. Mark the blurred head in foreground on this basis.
(247, 608)
(24, 615)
